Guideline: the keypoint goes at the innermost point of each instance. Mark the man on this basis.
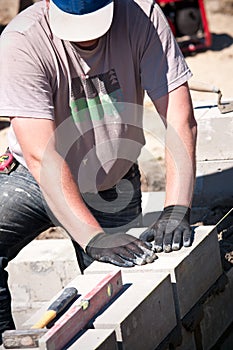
(73, 76)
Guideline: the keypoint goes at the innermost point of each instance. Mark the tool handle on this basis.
(203, 87)
(48, 316)
(57, 306)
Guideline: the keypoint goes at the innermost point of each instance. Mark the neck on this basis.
(87, 45)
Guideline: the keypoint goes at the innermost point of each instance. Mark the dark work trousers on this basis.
(24, 215)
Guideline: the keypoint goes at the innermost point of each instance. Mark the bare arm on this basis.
(36, 138)
(172, 229)
(181, 130)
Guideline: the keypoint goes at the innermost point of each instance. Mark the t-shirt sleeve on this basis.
(25, 85)
(162, 64)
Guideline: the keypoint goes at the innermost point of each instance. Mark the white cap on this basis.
(80, 20)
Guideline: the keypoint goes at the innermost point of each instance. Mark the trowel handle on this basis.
(56, 307)
(203, 87)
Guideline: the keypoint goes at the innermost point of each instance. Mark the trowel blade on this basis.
(225, 107)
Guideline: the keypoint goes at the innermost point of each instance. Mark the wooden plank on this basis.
(78, 316)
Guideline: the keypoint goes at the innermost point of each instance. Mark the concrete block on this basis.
(144, 314)
(188, 341)
(37, 264)
(213, 181)
(193, 270)
(214, 140)
(218, 315)
(214, 154)
(22, 313)
(96, 339)
(227, 342)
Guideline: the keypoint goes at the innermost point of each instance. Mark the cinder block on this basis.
(218, 314)
(40, 270)
(96, 339)
(22, 313)
(214, 180)
(193, 270)
(214, 154)
(188, 340)
(214, 139)
(144, 314)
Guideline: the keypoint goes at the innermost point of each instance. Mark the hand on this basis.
(171, 230)
(120, 249)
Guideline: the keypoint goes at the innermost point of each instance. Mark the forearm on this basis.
(63, 197)
(180, 163)
(176, 111)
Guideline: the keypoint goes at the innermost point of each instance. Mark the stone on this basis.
(96, 339)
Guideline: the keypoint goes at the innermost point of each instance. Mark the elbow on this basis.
(193, 126)
(37, 162)
(189, 120)
(34, 164)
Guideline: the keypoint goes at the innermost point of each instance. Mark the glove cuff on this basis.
(177, 211)
(93, 241)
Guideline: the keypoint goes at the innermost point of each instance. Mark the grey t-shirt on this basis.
(94, 97)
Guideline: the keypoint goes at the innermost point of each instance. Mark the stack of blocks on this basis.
(192, 272)
(151, 312)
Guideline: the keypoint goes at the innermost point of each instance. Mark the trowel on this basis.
(224, 107)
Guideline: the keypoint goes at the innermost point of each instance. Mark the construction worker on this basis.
(73, 76)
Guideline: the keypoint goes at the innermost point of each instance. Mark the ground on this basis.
(214, 67)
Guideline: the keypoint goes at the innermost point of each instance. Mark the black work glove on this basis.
(120, 249)
(171, 230)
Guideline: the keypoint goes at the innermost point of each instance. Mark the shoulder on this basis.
(27, 20)
(26, 36)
